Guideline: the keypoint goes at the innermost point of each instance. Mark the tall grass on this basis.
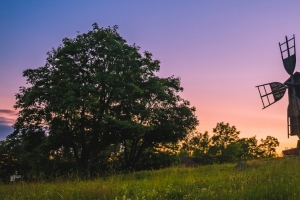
(263, 179)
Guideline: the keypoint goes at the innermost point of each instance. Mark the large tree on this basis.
(96, 90)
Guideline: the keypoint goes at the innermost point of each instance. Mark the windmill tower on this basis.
(273, 92)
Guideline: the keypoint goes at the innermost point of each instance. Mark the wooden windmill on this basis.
(273, 92)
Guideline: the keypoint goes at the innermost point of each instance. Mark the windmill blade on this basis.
(293, 116)
(289, 64)
(289, 59)
(271, 92)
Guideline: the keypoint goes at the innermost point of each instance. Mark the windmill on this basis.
(270, 93)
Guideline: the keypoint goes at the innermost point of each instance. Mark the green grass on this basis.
(263, 179)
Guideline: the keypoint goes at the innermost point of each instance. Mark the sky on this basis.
(220, 50)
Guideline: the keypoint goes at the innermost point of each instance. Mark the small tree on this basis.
(267, 148)
(224, 135)
(249, 148)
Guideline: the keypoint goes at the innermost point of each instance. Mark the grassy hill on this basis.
(263, 179)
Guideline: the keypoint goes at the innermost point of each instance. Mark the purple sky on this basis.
(220, 49)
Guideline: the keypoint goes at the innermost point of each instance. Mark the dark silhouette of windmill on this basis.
(273, 92)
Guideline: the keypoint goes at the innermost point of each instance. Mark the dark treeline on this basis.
(226, 146)
(31, 158)
(97, 107)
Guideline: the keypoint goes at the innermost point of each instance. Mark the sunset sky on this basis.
(220, 49)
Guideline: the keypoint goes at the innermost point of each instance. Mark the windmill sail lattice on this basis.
(289, 61)
(268, 98)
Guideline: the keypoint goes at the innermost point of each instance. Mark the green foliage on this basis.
(94, 92)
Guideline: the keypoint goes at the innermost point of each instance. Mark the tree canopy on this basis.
(94, 91)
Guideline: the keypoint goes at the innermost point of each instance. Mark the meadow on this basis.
(277, 178)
